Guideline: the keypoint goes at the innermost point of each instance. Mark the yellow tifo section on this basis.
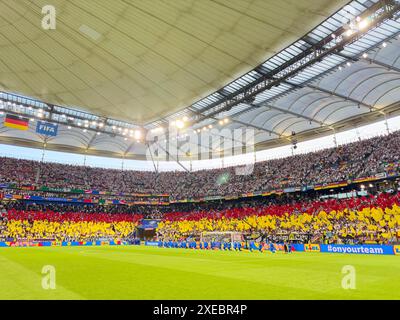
(369, 221)
(42, 229)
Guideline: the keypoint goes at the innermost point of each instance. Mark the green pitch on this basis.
(156, 273)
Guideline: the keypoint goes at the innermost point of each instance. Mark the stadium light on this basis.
(349, 32)
(363, 24)
(180, 124)
(138, 134)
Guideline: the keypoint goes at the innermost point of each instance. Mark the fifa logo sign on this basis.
(48, 129)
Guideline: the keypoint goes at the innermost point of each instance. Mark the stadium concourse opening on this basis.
(250, 149)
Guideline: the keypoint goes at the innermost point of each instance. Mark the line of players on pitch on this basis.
(227, 246)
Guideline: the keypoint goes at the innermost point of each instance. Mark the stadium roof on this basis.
(181, 51)
(139, 60)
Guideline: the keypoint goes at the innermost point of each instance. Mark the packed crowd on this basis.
(153, 211)
(81, 196)
(147, 211)
(372, 219)
(367, 219)
(358, 159)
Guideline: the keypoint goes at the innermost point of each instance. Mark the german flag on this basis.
(16, 122)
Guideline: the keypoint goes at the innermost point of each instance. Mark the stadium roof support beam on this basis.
(92, 139)
(371, 61)
(128, 148)
(173, 158)
(303, 84)
(266, 105)
(335, 94)
(296, 114)
(381, 64)
(240, 122)
(256, 127)
(151, 155)
(380, 12)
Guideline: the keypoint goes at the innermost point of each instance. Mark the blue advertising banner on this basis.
(298, 247)
(46, 128)
(152, 243)
(357, 249)
(315, 248)
(34, 198)
(348, 248)
(56, 199)
(149, 224)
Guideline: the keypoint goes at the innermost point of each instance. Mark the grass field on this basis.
(156, 273)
